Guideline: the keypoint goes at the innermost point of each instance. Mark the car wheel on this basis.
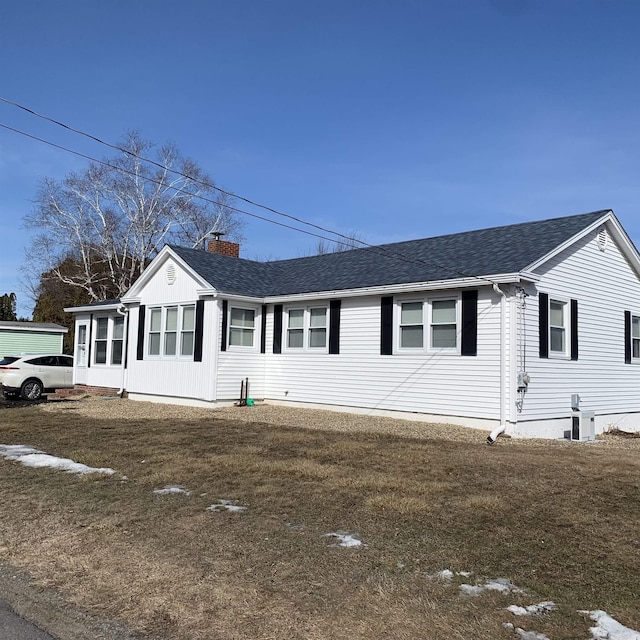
(31, 390)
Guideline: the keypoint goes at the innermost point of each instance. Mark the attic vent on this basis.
(602, 239)
(171, 273)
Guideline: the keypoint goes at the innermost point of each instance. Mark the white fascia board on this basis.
(95, 307)
(607, 217)
(60, 331)
(207, 293)
(128, 300)
(626, 244)
(433, 285)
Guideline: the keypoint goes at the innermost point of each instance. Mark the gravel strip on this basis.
(289, 416)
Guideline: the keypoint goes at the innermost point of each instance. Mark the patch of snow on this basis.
(533, 609)
(344, 539)
(30, 457)
(171, 489)
(226, 505)
(294, 527)
(607, 628)
(525, 635)
(500, 584)
(447, 574)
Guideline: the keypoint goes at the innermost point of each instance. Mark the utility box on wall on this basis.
(583, 425)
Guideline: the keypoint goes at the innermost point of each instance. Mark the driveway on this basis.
(13, 627)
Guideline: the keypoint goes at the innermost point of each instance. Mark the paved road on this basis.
(13, 627)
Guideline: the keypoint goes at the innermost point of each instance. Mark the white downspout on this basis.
(123, 311)
(493, 436)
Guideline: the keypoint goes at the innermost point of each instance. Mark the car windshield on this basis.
(8, 360)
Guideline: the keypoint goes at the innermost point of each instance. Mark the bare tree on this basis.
(352, 240)
(111, 219)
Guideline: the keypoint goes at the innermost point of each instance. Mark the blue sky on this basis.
(397, 119)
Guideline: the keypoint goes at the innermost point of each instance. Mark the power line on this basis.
(347, 240)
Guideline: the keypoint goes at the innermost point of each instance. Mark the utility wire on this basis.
(346, 240)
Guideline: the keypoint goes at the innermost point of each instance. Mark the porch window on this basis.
(241, 327)
(102, 332)
(117, 340)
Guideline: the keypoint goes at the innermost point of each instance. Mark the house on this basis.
(30, 337)
(511, 328)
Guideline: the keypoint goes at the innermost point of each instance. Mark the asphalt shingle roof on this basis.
(506, 249)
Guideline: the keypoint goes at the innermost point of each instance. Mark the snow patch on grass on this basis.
(607, 628)
(344, 539)
(30, 457)
(533, 609)
(171, 489)
(499, 584)
(226, 505)
(525, 635)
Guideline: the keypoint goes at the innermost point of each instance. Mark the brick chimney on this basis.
(224, 247)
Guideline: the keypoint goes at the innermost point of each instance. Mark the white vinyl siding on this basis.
(603, 283)
(360, 377)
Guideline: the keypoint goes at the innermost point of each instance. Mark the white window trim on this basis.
(257, 323)
(109, 342)
(631, 338)
(180, 306)
(566, 354)
(427, 302)
(306, 329)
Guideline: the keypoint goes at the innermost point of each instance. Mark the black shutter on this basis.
(197, 345)
(574, 329)
(386, 326)
(140, 346)
(627, 337)
(225, 324)
(334, 326)
(277, 328)
(543, 324)
(469, 342)
(263, 329)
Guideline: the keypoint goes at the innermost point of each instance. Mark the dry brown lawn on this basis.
(560, 520)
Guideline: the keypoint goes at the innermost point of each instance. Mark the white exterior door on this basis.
(82, 349)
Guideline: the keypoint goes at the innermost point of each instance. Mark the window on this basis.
(439, 315)
(102, 331)
(108, 343)
(171, 331)
(411, 325)
(295, 329)
(557, 327)
(117, 340)
(307, 328)
(635, 336)
(242, 324)
(444, 327)
(188, 331)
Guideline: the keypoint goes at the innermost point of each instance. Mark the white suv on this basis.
(31, 376)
